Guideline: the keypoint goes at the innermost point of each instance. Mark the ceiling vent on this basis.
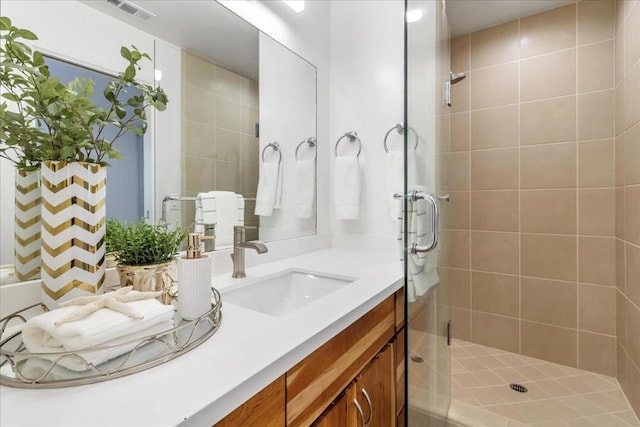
(132, 9)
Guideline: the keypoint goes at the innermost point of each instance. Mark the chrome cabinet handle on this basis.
(359, 408)
(366, 396)
(435, 225)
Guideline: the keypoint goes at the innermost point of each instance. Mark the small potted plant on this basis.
(145, 254)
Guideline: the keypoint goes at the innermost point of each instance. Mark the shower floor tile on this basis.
(557, 395)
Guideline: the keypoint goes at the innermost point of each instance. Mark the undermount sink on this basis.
(285, 292)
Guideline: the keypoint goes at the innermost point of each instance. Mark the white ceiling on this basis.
(466, 16)
(210, 30)
(203, 27)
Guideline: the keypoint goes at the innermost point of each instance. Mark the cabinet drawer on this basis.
(317, 380)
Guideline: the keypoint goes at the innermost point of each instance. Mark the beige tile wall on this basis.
(219, 147)
(532, 219)
(627, 196)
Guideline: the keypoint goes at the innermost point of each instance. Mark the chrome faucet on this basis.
(239, 245)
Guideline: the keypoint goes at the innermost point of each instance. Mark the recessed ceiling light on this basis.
(296, 5)
(414, 15)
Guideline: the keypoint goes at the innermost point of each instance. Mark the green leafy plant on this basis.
(139, 243)
(111, 225)
(48, 120)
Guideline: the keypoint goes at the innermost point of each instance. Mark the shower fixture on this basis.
(453, 79)
(456, 78)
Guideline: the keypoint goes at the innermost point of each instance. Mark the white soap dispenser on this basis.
(194, 279)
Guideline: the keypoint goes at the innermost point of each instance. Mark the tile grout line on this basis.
(577, 303)
(469, 195)
(519, 189)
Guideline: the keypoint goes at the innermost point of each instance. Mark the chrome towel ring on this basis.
(311, 141)
(351, 136)
(399, 127)
(276, 147)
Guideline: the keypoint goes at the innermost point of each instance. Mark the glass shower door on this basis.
(426, 146)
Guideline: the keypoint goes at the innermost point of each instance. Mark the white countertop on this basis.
(248, 352)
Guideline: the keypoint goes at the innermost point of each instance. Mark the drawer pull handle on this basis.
(366, 396)
(359, 408)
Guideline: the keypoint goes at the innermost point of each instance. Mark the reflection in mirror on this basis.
(219, 150)
(232, 91)
(126, 173)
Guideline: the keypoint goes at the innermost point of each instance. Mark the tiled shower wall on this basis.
(627, 129)
(532, 212)
(219, 147)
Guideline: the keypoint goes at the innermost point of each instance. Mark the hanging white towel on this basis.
(422, 267)
(102, 328)
(305, 188)
(346, 187)
(269, 195)
(395, 178)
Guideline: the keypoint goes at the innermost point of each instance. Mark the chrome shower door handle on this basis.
(435, 223)
(435, 217)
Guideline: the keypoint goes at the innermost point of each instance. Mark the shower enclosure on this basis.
(427, 80)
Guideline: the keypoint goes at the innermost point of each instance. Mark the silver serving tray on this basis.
(22, 369)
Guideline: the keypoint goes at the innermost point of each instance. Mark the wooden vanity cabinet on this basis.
(377, 382)
(322, 388)
(369, 399)
(315, 382)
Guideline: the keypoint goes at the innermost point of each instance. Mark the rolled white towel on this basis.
(305, 190)
(102, 328)
(347, 187)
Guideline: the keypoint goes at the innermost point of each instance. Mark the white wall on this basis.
(307, 34)
(288, 116)
(367, 96)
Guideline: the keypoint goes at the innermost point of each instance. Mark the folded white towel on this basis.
(269, 195)
(346, 187)
(225, 209)
(422, 267)
(206, 212)
(228, 206)
(305, 188)
(102, 328)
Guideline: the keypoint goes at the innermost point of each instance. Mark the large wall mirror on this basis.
(242, 114)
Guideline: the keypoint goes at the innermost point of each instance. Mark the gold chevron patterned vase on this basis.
(27, 224)
(72, 231)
